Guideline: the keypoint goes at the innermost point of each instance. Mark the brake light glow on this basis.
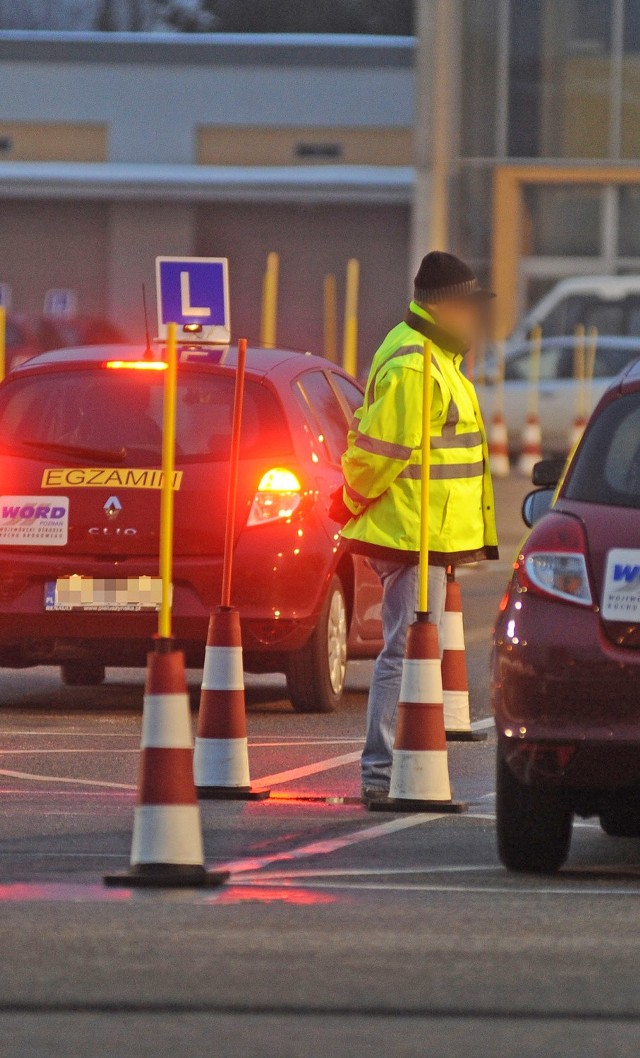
(553, 560)
(136, 365)
(278, 495)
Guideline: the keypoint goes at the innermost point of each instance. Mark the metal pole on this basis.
(167, 495)
(3, 342)
(578, 370)
(534, 373)
(423, 594)
(232, 489)
(590, 366)
(330, 303)
(268, 327)
(350, 345)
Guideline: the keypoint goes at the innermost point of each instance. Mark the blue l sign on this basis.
(194, 293)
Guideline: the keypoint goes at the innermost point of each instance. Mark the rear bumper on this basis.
(559, 683)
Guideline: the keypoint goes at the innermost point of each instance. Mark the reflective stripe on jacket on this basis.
(383, 463)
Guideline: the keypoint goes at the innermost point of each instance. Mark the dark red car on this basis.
(566, 662)
(80, 445)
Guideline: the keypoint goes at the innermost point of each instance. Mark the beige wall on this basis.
(52, 141)
(303, 146)
(54, 244)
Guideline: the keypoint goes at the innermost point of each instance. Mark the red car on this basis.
(566, 661)
(79, 455)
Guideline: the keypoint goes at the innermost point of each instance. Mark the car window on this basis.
(323, 410)
(351, 393)
(111, 409)
(518, 367)
(610, 361)
(607, 467)
(607, 316)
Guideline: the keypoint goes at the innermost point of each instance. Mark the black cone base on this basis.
(166, 876)
(467, 736)
(399, 805)
(231, 793)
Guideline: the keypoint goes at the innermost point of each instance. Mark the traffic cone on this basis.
(221, 758)
(455, 685)
(166, 850)
(531, 446)
(420, 770)
(498, 446)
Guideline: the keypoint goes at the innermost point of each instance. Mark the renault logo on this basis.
(112, 508)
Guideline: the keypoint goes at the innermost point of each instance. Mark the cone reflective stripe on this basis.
(455, 685)
(221, 758)
(420, 769)
(499, 446)
(531, 445)
(166, 848)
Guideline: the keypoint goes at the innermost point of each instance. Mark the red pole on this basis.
(234, 459)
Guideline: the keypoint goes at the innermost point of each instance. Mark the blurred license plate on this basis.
(91, 593)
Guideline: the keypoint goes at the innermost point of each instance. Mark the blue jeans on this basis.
(399, 601)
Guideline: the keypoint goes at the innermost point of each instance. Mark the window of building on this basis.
(562, 220)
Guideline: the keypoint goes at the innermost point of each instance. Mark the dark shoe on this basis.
(374, 793)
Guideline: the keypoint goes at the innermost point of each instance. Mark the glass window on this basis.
(478, 85)
(553, 365)
(322, 408)
(629, 217)
(608, 465)
(559, 86)
(562, 221)
(351, 393)
(630, 117)
(472, 212)
(121, 412)
(611, 360)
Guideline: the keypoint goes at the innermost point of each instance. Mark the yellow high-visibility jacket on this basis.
(383, 462)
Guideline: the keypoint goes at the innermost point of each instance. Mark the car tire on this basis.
(533, 824)
(82, 674)
(621, 823)
(316, 672)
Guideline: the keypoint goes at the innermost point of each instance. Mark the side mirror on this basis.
(535, 505)
(547, 473)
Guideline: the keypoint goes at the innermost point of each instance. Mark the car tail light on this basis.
(136, 365)
(553, 560)
(278, 495)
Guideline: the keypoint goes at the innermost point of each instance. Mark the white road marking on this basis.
(294, 742)
(356, 872)
(59, 778)
(324, 848)
(397, 887)
(42, 752)
(483, 725)
(307, 769)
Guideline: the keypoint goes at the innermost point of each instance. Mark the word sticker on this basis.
(107, 478)
(621, 592)
(30, 521)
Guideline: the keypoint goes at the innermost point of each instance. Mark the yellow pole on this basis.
(350, 342)
(330, 318)
(534, 375)
(423, 594)
(269, 322)
(498, 399)
(578, 370)
(3, 342)
(167, 497)
(592, 349)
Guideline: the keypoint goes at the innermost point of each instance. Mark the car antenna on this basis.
(148, 351)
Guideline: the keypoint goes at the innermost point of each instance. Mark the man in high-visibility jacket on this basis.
(383, 468)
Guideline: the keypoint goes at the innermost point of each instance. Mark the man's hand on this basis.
(338, 510)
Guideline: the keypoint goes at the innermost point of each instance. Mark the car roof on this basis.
(259, 361)
(604, 341)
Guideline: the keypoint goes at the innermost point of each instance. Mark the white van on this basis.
(610, 303)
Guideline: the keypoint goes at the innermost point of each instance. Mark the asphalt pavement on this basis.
(339, 932)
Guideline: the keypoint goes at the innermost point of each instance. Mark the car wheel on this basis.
(533, 823)
(316, 673)
(82, 673)
(621, 823)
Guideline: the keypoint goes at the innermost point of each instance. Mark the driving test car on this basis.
(80, 451)
(566, 658)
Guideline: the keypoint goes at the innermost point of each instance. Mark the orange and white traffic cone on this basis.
(420, 770)
(455, 684)
(499, 446)
(221, 758)
(166, 850)
(531, 446)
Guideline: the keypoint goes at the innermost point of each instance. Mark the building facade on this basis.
(118, 147)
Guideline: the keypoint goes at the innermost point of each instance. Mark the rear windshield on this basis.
(607, 469)
(116, 410)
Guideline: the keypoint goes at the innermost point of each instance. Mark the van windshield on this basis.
(120, 414)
